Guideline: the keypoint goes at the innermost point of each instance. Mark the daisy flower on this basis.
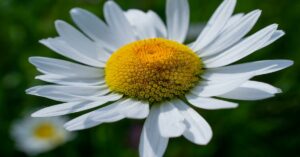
(135, 66)
(37, 135)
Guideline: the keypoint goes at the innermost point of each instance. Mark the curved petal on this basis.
(71, 81)
(214, 88)
(80, 42)
(161, 30)
(106, 114)
(64, 68)
(128, 108)
(118, 23)
(134, 109)
(142, 24)
(257, 68)
(215, 25)
(68, 93)
(233, 20)
(276, 35)
(252, 90)
(73, 107)
(152, 144)
(242, 49)
(178, 16)
(67, 73)
(124, 108)
(146, 25)
(209, 103)
(198, 130)
(61, 47)
(232, 34)
(95, 28)
(170, 121)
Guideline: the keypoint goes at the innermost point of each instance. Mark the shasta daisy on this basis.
(135, 66)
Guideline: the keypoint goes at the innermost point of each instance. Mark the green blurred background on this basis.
(256, 129)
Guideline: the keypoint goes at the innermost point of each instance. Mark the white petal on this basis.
(67, 73)
(128, 108)
(143, 27)
(95, 28)
(64, 68)
(198, 130)
(71, 81)
(124, 108)
(276, 35)
(178, 16)
(134, 109)
(252, 90)
(68, 93)
(61, 47)
(146, 25)
(106, 114)
(233, 20)
(170, 121)
(117, 22)
(161, 30)
(209, 103)
(215, 25)
(257, 68)
(242, 49)
(152, 144)
(81, 43)
(232, 34)
(73, 107)
(214, 88)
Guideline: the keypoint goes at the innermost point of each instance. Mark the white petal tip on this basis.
(257, 12)
(59, 23)
(275, 25)
(284, 64)
(29, 91)
(43, 113)
(206, 140)
(35, 60)
(40, 77)
(69, 127)
(281, 32)
(109, 3)
(279, 91)
(75, 11)
(289, 63)
(38, 115)
(32, 60)
(233, 106)
(34, 115)
(44, 41)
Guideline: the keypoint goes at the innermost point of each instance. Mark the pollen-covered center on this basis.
(153, 70)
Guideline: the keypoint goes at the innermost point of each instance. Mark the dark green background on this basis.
(256, 129)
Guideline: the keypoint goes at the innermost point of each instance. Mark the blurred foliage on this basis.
(255, 129)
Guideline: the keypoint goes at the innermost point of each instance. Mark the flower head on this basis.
(34, 136)
(140, 68)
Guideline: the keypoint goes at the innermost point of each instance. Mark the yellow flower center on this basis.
(153, 70)
(44, 131)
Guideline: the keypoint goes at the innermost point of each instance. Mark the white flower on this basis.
(38, 135)
(134, 62)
